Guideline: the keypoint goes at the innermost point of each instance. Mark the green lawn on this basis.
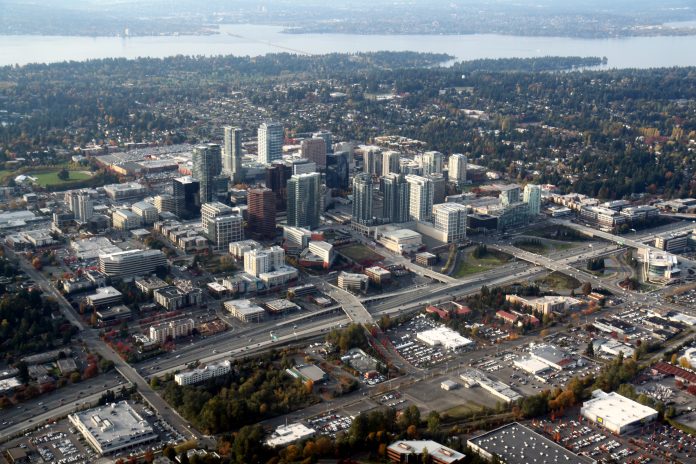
(360, 253)
(51, 177)
(468, 264)
(462, 411)
(560, 281)
(531, 246)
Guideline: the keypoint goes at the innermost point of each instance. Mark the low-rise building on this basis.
(171, 329)
(281, 306)
(114, 314)
(131, 263)
(444, 337)
(616, 413)
(146, 211)
(516, 444)
(113, 427)
(378, 275)
(353, 282)
(104, 296)
(245, 310)
(173, 298)
(401, 240)
(124, 219)
(287, 434)
(148, 285)
(500, 390)
(201, 374)
(408, 451)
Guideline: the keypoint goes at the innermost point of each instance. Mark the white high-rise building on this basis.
(457, 168)
(258, 262)
(450, 218)
(391, 161)
(421, 191)
(270, 142)
(362, 198)
(532, 196)
(81, 204)
(431, 162)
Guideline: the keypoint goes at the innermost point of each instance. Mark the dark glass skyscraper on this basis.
(207, 167)
(303, 200)
(187, 200)
(337, 173)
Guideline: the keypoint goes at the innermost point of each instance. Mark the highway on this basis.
(94, 344)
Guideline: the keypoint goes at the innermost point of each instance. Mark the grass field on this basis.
(468, 264)
(462, 411)
(531, 245)
(360, 253)
(51, 177)
(560, 281)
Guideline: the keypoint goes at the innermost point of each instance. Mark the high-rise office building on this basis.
(532, 196)
(391, 161)
(303, 200)
(348, 147)
(303, 166)
(187, 197)
(457, 168)
(337, 172)
(431, 162)
(396, 198)
(207, 167)
(270, 142)
(362, 198)
(439, 187)
(221, 225)
(420, 198)
(314, 150)
(232, 156)
(262, 212)
(450, 218)
(509, 195)
(277, 175)
(372, 160)
(327, 137)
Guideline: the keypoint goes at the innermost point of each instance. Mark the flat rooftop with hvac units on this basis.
(113, 427)
(516, 444)
(411, 451)
(616, 413)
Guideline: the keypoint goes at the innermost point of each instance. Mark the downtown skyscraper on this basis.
(270, 142)
(207, 169)
(303, 200)
(232, 154)
(362, 198)
(396, 198)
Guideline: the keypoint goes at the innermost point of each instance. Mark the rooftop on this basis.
(616, 409)
(113, 425)
(286, 434)
(436, 451)
(516, 444)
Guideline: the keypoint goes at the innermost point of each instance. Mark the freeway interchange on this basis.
(245, 341)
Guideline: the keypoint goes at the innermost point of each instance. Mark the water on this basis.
(253, 40)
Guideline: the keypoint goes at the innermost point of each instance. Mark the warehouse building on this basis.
(616, 413)
(516, 444)
(474, 377)
(113, 427)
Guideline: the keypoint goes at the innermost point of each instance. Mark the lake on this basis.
(253, 40)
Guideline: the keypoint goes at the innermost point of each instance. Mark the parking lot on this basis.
(413, 350)
(330, 423)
